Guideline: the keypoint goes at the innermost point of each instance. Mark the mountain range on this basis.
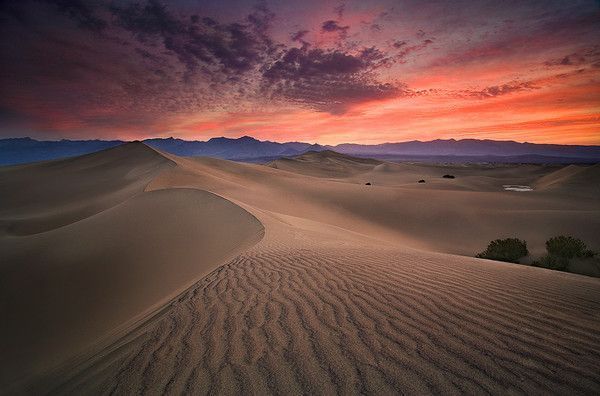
(249, 149)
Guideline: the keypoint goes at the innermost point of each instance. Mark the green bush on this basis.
(552, 262)
(588, 253)
(509, 250)
(561, 250)
(566, 246)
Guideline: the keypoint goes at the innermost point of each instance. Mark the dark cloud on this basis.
(399, 43)
(405, 49)
(299, 37)
(145, 66)
(589, 56)
(500, 90)
(328, 80)
(339, 10)
(332, 26)
(84, 13)
(492, 91)
(145, 20)
(506, 88)
(573, 59)
(229, 48)
(80, 64)
(261, 19)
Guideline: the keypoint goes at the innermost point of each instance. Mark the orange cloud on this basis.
(564, 109)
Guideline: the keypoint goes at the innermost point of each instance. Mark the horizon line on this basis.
(293, 141)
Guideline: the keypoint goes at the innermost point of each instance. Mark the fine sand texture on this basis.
(204, 276)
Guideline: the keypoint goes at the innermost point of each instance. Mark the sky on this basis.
(312, 70)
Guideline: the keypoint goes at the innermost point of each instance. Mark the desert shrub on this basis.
(509, 250)
(552, 262)
(448, 176)
(565, 246)
(421, 181)
(588, 253)
(367, 184)
(561, 250)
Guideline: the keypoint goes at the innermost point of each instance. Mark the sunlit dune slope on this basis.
(325, 164)
(457, 216)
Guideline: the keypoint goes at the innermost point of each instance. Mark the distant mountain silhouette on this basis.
(244, 148)
(22, 150)
(471, 147)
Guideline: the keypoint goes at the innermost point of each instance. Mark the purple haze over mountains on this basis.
(23, 150)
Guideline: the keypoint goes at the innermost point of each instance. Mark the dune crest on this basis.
(42, 196)
(573, 180)
(325, 163)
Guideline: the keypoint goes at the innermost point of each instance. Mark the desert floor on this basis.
(131, 271)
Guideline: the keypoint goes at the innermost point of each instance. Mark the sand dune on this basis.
(69, 289)
(314, 309)
(325, 164)
(458, 216)
(332, 165)
(573, 180)
(351, 289)
(42, 196)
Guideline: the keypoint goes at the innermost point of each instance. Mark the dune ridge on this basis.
(573, 180)
(42, 196)
(329, 162)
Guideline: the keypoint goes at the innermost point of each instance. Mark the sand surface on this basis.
(75, 287)
(300, 279)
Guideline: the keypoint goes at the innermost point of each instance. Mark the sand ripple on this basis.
(303, 314)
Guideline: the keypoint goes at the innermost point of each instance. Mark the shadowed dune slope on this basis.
(67, 291)
(41, 196)
(573, 180)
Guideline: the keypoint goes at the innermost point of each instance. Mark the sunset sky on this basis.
(311, 70)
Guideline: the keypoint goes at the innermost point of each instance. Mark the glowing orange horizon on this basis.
(556, 115)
